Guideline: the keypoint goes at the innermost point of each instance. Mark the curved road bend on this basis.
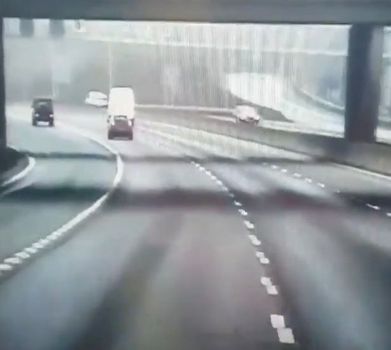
(167, 263)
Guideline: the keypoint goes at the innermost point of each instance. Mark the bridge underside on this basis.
(257, 11)
(365, 40)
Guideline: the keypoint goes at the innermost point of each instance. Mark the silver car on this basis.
(246, 114)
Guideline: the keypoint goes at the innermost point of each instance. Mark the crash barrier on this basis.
(374, 157)
(320, 102)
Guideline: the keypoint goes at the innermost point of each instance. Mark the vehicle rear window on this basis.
(121, 117)
(43, 104)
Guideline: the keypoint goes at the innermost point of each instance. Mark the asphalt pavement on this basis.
(193, 250)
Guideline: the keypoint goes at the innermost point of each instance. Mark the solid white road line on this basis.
(16, 178)
(20, 175)
(363, 171)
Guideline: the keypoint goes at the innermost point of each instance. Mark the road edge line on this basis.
(8, 264)
(22, 174)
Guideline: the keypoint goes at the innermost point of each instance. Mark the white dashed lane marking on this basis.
(254, 240)
(38, 245)
(262, 258)
(307, 179)
(242, 212)
(5, 267)
(271, 290)
(13, 261)
(30, 250)
(374, 207)
(249, 225)
(321, 185)
(285, 334)
(297, 175)
(219, 182)
(22, 255)
(278, 321)
(388, 214)
(266, 281)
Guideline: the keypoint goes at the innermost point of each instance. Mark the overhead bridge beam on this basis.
(3, 134)
(256, 11)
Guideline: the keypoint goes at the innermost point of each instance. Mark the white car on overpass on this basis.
(246, 114)
(97, 99)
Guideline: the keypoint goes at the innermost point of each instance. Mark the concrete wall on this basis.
(373, 157)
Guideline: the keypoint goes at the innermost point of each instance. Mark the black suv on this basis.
(120, 126)
(42, 111)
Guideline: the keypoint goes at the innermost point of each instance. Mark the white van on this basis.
(121, 113)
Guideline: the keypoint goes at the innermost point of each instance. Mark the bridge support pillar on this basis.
(363, 82)
(3, 129)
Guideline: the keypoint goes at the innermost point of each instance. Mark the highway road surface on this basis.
(195, 249)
